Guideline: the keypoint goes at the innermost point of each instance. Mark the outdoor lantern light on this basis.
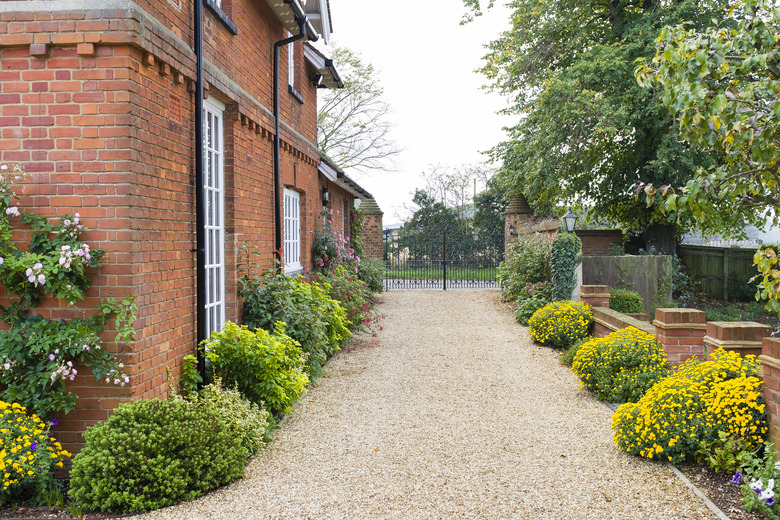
(569, 221)
(512, 230)
(325, 196)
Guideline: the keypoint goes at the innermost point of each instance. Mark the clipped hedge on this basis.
(151, 454)
(621, 366)
(625, 301)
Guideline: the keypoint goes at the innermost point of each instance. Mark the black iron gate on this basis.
(461, 259)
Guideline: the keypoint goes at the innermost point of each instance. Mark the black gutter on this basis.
(200, 218)
(302, 22)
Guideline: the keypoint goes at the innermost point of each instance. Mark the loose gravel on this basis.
(450, 413)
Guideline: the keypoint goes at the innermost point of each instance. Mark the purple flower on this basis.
(51, 357)
(54, 422)
(770, 501)
(33, 446)
(737, 478)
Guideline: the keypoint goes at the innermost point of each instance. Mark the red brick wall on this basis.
(98, 106)
(373, 240)
(598, 242)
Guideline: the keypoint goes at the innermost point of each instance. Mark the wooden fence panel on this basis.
(721, 271)
(650, 276)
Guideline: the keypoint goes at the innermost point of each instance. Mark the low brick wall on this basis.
(606, 321)
(744, 337)
(681, 334)
(595, 295)
(770, 361)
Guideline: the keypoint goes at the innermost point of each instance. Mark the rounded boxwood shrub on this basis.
(693, 406)
(622, 366)
(151, 454)
(561, 323)
(625, 301)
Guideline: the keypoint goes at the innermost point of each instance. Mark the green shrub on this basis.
(246, 421)
(372, 272)
(693, 406)
(312, 318)
(625, 301)
(568, 357)
(152, 454)
(268, 369)
(528, 261)
(28, 456)
(532, 298)
(622, 366)
(564, 259)
(560, 323)
(352, 294)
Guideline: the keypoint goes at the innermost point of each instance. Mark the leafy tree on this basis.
(489, 208)
(722, 85)
(353, 129)
(587, 131)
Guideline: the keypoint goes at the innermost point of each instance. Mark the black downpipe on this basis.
(277, 180)
(200, 218)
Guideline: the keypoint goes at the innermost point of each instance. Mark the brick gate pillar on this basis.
(517, 215)
(372, 229)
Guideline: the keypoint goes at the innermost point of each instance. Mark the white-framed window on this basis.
(214, 196)
(292, 231)
(291, 62)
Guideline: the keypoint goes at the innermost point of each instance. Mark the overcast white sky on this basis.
(425, 62)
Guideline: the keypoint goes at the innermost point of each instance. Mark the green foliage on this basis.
(429, 220)
(528, 261)
(372, 272)
(568, 357)
(721, 85)
(38, 355)
(564, 259)
(625, 301)
(561, 323)
(350, 292)
(356, 232)
(151, 454)
(312, 318)
(757, 479)
(246, 421)
(622, 366)
(725, 453)
(267, 368)
(28, 456)
(585, 129)
(489, 208)
(693, 405)
(533, 297)
(190, 376)
(766, 260)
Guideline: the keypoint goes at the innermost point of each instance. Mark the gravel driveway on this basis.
(450, 413)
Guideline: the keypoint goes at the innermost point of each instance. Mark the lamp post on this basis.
(512, 232)
(569, 221)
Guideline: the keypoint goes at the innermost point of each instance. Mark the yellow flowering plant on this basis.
(28, 456)
(560, 323)
(622, 366)
(692, 406)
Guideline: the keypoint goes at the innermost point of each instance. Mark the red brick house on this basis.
(98, 102)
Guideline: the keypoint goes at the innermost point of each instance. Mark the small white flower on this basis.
(69, 286)
(78, 216)
(13, 210)
(65, 247)
(63, 260)
(41, 279)
(28, 272)
(38, 266)
(4, 167)
(756, 484)
(121, 365)
(767, 493)
(1, 260)
(31, 279)
(66, 222)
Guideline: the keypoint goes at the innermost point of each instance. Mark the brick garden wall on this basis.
(97, 103)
